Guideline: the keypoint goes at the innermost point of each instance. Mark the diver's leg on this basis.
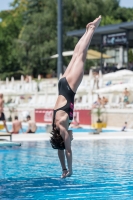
(75, 75)
(74, 55)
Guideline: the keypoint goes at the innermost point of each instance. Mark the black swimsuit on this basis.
(66, 91)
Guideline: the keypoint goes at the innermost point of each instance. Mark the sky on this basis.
(4, 4)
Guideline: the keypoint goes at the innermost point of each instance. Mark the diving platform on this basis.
(8, 143)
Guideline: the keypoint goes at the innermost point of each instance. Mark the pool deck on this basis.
(77, 136)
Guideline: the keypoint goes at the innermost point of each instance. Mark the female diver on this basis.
(63, 110)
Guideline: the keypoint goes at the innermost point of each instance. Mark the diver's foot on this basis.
(95, 23)
(65, 171)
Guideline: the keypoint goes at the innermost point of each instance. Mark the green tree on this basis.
(28, 32)
(130, 56)
(37, 40)
(124, 14)
(10, 26)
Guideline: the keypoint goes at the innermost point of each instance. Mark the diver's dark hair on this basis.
(56, 140)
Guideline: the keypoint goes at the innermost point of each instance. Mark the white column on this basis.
(120, 56)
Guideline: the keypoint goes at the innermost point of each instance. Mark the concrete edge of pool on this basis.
(77, 136)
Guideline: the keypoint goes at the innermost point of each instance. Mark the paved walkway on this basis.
(77, 136)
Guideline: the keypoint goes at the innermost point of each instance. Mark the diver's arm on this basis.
(65, 135)
(61, 156)
(70, 132)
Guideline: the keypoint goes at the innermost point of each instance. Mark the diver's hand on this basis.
(69, 173)
(64, 173)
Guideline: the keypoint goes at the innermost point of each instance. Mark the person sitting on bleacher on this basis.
(126, 96)
(97, 103)
(104, 101)
(75, 123)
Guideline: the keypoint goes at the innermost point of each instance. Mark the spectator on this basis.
(2, 120)
(126, 96)
(80, 99)
(75, 123)
(96, 80)
(104, 101)
(124, 127)
(31, 125)
(16, 126)
(97, 103)
(75, 100)
(1, 100)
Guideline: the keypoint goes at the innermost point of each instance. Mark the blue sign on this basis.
(114, 39)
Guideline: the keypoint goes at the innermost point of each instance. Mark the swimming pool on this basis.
(102, 170)
(42, 129)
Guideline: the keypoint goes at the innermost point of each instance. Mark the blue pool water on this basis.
(42, 129)
(102, 170)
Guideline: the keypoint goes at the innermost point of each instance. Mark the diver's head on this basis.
(56, 140)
